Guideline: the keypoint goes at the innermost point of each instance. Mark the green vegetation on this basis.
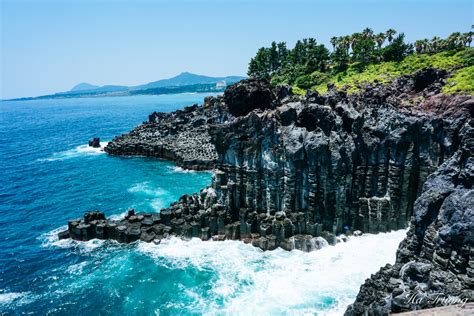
(461, 81)
(364, 57)
(385, 72)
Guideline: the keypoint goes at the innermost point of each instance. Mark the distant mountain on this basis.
(83, 86)
(95, 90)
(184, 82)
(186, 79)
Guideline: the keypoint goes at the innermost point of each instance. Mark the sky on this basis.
(49, 46)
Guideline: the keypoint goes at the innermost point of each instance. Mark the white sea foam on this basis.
(249, 281)
(117, 216)
(16, 298)
(154, 195)
(146, 188)
(274, 282)
(78, 151)
(8, 298)
(50, 239)
(77, 268)
(180, 169)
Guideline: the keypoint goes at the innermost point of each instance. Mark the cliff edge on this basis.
(297, 171)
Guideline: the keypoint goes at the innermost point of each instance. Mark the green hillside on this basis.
(460, 62)
(365, 57)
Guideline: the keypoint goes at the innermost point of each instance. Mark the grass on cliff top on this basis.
(461, 62)
(462, 81)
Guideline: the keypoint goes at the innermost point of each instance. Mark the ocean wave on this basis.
(146, 188)
(8, 298)
(155, 196)
(15, 298)
(78, 151)
(50, 239)
(180, 169)
(254, 282)
(246, 280)
(117, 216)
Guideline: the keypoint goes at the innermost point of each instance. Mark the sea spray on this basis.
(250, 281)
(78, 151)
(229, 276)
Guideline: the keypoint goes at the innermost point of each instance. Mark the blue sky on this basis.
(49, 46)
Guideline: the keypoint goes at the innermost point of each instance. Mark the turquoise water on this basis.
(48, 175)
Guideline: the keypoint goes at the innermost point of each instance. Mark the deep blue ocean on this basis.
(49, 175)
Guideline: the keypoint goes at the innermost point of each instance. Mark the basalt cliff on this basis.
(298, 171)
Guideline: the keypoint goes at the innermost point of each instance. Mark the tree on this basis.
(259, 66)
(397, 50)
(253, 68)
(467, 38)
(454, 41)
(419, 46)
(297, 53)
(426, 45)
(273, 60)
(317, 57)
(390, 34)
(363, 49)
(340, 57)
(435, 44)
(367, 32)
(334, 42)
(354, 38)
(307, 57)
(345, 42)
(282, 54)
(380, 38)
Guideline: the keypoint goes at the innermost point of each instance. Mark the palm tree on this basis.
(464, 39)
(345, 42)
(367, 32)
(468, 38)
(426, 45)
(436, 44)
(354, 38)
(334, 42)
(454, 40)
(380, 38)
(419, 46)
(390, 34)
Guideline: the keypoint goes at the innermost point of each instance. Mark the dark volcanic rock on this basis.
(180, 136)
(95, 142)
(294, 172)
(250, 94)
(435, 261)
(426, 77)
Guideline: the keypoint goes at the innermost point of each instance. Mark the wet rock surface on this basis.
(95, 142)
(434, 265)
(295, 172)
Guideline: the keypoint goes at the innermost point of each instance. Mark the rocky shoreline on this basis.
(295, 172)
(181, 136)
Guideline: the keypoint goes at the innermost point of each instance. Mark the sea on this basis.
(49, 175)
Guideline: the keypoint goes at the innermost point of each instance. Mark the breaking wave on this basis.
(230, 277)
(252, 282)
(155, 196)
(180, 170)
(78, 151)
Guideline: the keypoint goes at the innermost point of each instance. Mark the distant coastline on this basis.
(183, 83)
